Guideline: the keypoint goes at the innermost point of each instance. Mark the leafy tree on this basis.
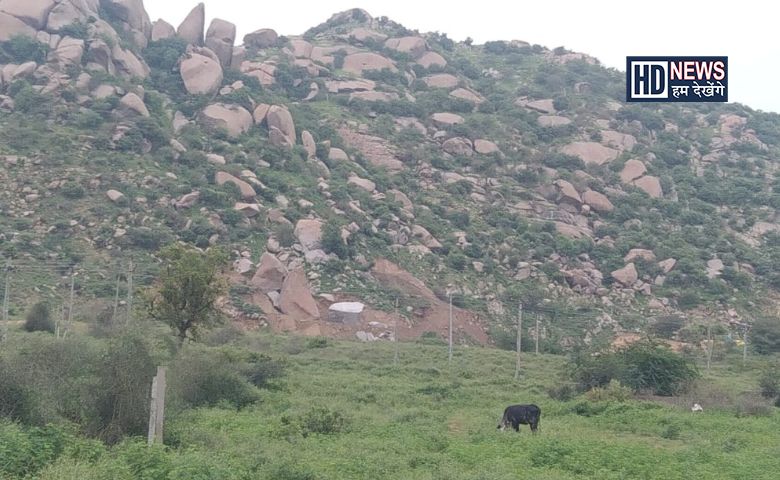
(39, 319)
(765, 335)
(185, 297)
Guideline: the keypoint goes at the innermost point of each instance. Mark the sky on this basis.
(610, 30)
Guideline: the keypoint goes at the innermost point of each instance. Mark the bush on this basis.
(39, 319)
(765, 335)
(21, 48)
(613, 392)
(320, 420)
(332, 241)
(769, 381)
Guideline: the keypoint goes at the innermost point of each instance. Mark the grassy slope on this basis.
(426, 420)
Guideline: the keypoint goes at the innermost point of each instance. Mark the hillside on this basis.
(366, 162)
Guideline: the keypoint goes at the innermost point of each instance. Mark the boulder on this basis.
(597, 201)
(414, 46)
(337, 155)
(392, 277)
(115, 195)
(191, 29)
(667, 265)
(373, 96)
(441, 80)
(401, 198)
(714, 267)
(11, 26)
(626, 276)
(133, 103)
(31, 12)
(247, 209)
(309, 144)
(541, 106)
(126, 63)
(590, 152)
(308, 231)
(347, 313)
(247, 192)
(232, 118)
(278, 139)
(362, 34)
(445, 119)
(188, 200)
(359, 62)
(300, 48)
(363, 183)
(431, 59)
(162, 30)
(220, 38)
(263, 38)
(279, 117)
(651, 186)
(458, 146)
(347, 86)
(269, 275)
(133, 14)
(632, 170)
(295, 298)
(642, 253)
(621, 141)
(425, 237)
(552, 121)
(66, 13)
(567, 193)
(202, 74)
(468, 95)
(485, 147)
(69, 51)
(242, 265)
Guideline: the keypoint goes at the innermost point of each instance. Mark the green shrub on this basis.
(765, 335)
(72, 190)
(332, 241)
(21, 48)
(612, 392)
(318, 420)
(201, 377)
(39, 319)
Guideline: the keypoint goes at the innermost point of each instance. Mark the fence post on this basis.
(519, 339)
(449, 294)
(4, 334)
(157, 407)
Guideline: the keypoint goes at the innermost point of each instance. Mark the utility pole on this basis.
(131, 268)
(449, 294)
(116, 295)
(519, 338)
(536, 336)
(4, 334)
(157, 408)
(70, 303)
(744, 344)
(395, 333)
(709, 344)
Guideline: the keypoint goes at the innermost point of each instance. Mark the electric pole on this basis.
(519, 338)
(131, 268)
(4, 334)
(395, 333)
(536, 336)
(449, 294)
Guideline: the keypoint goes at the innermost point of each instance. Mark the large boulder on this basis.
(220, 38)
(300, 48)
(441, 80)
(127, 63)
(626, 276)
(363, 183)
(280, 118)
(485, 147)
(134, 18)
(68, 12)
(11, 26)
(541, 106)
(590, 152)
(133, 103)
(308, 231)
(639, 253)
(247, 192)
(597, 201)
(31, 12)
(296, 299)
(359, 62)
(621, 141)
(552, 121)
(162, 30)
(202, 74)
(467, 95)
(425, 237)
(651, 186)
(362, 35)
(263, 38)
(567, 193)
(191, 29)
(270, 274)
(309, 144)
(458, 146)
(431, 59)
(446, 119)
(414, 46)
(391, 276)
(347, 313)
(235, 119)
(69, 51)
(632, 170)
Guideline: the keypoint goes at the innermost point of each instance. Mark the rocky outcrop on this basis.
(441, 80)
(191, 28)
(621, 141)
(363, 61)
(431, 59)
(132, 17)
(626, 276)
(263, 38)
(393, 277)
(639, 253)
(295, 299)
(458, 146)
(308, 231)
(597, 201)
(162, 30)
(485, 147)
(446, 119)
(202, 74)
(362, 34)
(309, 144)
(269, 275)
(133, 103)
(667, 265)
(650, 185)
(552, 121)
(363, 183)
(279, 117)
(632, 170)
(234, 119)
(31, 12)
(425, 237)
(567, 193)
(467, 95)
(414, 46)
(247, 192)
(590, 152)
(220, 38)
(11, 26)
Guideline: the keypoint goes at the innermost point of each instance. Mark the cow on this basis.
(515, 415)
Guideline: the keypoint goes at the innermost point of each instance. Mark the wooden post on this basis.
(395, 333)
(519, 339)
(4, 334)
(69, 318)
(116, 297)
(536, 336)
(157, 407)
(709, 345)
(130, 292)
(450, 330)
(744, 345)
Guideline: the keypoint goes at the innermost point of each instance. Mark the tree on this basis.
(187, 291)
(765, 335)
(39, 319)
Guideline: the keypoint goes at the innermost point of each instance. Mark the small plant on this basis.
(613, 392)
(39, 319)
(317, 342)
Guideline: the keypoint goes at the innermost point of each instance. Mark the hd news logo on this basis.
(677, 79)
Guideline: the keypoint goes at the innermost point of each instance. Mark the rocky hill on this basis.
(363, 161)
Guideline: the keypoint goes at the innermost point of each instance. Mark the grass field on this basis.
(425, 419)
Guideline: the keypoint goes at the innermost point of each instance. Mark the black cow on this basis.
(515, 415)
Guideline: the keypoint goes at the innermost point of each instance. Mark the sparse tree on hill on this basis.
(186, 294)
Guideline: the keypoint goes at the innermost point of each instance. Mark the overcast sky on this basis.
(746, 30)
